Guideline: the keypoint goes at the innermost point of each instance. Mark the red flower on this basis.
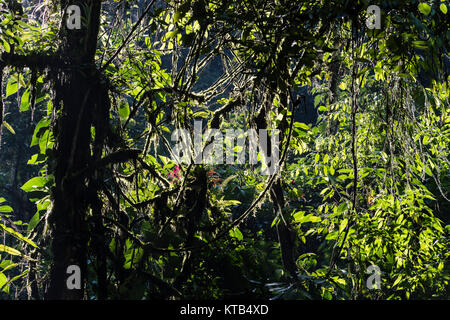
(175, 174)
(211, 172)
(214, 179)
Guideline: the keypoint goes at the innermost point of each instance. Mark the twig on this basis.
(136, 25)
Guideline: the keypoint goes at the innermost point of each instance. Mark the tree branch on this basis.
(32, 61)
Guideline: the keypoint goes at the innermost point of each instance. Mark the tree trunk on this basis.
(76, 100)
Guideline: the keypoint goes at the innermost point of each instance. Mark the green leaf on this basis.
(201, 114)
(225, 183)
(133, 257)
(124, 111)
(443, 8)
(420, 44)
(298, 216)
(343, 86)
(6, 285)
(5, 263)
(34, 221)
(3, 282)
(236, 233)
(308, 218)
(317, 158)
(9, 250)
(11, 87)
(275, 222)
(227, 203)
(6, 46)
(10, 266)
(397, 281)
(331, 236)
(424, 8)
(7, 126)
(177, 16)
(6, 209)
(17, 235)
(25, 101)
(34, 183)
(37, 159)
(428, 171)
(40, 129)
(343, 225)
(301, 125)
(171, 34)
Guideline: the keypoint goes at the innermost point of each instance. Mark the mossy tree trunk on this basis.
(79, 97)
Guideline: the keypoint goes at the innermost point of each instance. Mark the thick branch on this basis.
(32, 61)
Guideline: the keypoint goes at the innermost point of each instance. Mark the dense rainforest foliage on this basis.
(358, 205)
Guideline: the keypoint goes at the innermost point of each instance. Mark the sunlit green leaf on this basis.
(425, 8)
(9, 250)
(34, 183)
(7, 126)
(236, 233)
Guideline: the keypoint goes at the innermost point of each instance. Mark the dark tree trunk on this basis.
(286, 236)
(77, 97)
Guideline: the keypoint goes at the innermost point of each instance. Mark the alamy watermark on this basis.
(73, 17)
(74, 279)
(374, 20)
(374, 280)
(236, 146)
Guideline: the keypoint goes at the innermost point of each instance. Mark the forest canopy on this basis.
(334, 182)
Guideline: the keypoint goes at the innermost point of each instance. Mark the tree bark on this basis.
(77, 97)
